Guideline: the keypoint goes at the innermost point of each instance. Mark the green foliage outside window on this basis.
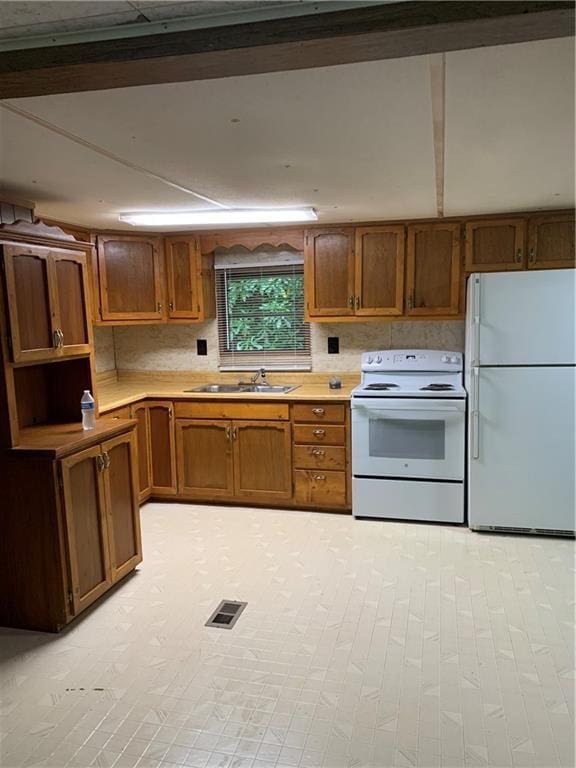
(265, 312)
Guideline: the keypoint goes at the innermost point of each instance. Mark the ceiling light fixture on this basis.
(222, 216)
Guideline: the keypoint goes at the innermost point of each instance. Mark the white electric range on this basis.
(408, 436)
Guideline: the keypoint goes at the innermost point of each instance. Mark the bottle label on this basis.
(87, 406)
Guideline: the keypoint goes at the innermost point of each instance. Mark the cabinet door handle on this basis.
(61, 338)
(519, 255)
(171, 306)
(319, 477)
(351, 302)
(100, 462)
(106, 459)
(410, 302)
(56, 339)
(532, 256)
(357, 302)
(159, 307)
(318, 411)
(235, 433)
(228, 433)
(318, 452)
(319, 432)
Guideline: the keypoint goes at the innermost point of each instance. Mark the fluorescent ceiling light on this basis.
(221, 216)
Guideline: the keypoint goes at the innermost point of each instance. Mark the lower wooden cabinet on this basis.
(156, 448)
(221, 459)
(319, 488)
(70, 528)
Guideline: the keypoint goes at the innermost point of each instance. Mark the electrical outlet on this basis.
(201, 347)
(333, 345)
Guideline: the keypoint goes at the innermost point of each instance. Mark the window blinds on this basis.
(260, 310)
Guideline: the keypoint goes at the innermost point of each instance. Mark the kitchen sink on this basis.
(270, 389)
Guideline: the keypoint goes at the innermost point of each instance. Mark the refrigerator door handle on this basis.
(475, 321)
(474, 414)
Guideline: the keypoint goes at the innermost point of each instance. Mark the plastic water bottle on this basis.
(88, 407)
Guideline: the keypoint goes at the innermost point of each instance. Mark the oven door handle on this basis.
(414, 408)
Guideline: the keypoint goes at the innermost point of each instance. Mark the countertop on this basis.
(59, 440)
(115, 391)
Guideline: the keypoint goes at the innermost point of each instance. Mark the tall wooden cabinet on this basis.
(156, 448)
(189, 280)
(329, 272)
(379, 271)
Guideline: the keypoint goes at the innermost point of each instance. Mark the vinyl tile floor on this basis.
(364, 643)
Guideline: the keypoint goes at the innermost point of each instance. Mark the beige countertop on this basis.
(126, 387)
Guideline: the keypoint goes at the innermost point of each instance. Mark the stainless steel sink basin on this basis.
(271, 389)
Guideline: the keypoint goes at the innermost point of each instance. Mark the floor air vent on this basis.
(226, 615)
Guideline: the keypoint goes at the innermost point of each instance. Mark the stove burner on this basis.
(384, 385)
(438, 387)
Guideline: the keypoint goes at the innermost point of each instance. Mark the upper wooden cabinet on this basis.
(329, 272)
(495, 245)
(379, 272)
(130, 272)
(433, 284)
(190, 280)
(47, 302)
(551, 241)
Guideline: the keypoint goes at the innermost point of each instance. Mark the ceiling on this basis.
(354, 141)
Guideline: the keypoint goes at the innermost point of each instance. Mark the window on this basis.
(261, 316)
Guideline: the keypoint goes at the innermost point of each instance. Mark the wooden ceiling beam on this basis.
(388, 31)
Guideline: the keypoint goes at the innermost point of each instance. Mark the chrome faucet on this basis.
(261, 373)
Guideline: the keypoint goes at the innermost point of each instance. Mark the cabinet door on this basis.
(262, 459)
(72, 309)
(495, 245)
(433, 270)
(86, 526)
(121, 493)
(30, 300)
(551, 241)
(184, 279)
(140, 413)
(162, 448)
(204, 458)
(130, 277)
(379, 271)
(329, 273)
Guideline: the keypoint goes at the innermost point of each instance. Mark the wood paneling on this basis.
(329, 272)
(433, 284)
(276, 237)
(130, 272)
(122, 505)
(319, 488)
(379, 271)
(162, 448)
(262, 460)
(86, 526)
(326, 434)
(346, 36)
(230, 409)
(318, 412)
(551, 241)
(495, 245)
(205, 458)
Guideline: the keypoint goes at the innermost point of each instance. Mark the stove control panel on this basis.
(412, 360)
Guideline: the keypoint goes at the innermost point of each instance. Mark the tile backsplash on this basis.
(173, 347)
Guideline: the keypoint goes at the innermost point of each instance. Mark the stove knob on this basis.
(454, 359)
(370, 360)
(445, 359)
(378, 359)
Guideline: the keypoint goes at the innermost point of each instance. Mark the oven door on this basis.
(414, 438)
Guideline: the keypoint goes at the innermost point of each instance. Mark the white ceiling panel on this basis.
(510, 127)
(353, 141)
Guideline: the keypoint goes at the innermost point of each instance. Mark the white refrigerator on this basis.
(520, 377)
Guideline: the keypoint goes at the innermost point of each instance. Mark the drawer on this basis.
(118, 413)
(319, 433)
(210, 409)
(319, 457)
(317, 412)
(319, 488)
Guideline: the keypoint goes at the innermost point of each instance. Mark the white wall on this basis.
(173, 347)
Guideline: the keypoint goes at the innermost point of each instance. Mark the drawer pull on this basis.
(319, 432)
(318, 411)
(318, 452)
(319, 477)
